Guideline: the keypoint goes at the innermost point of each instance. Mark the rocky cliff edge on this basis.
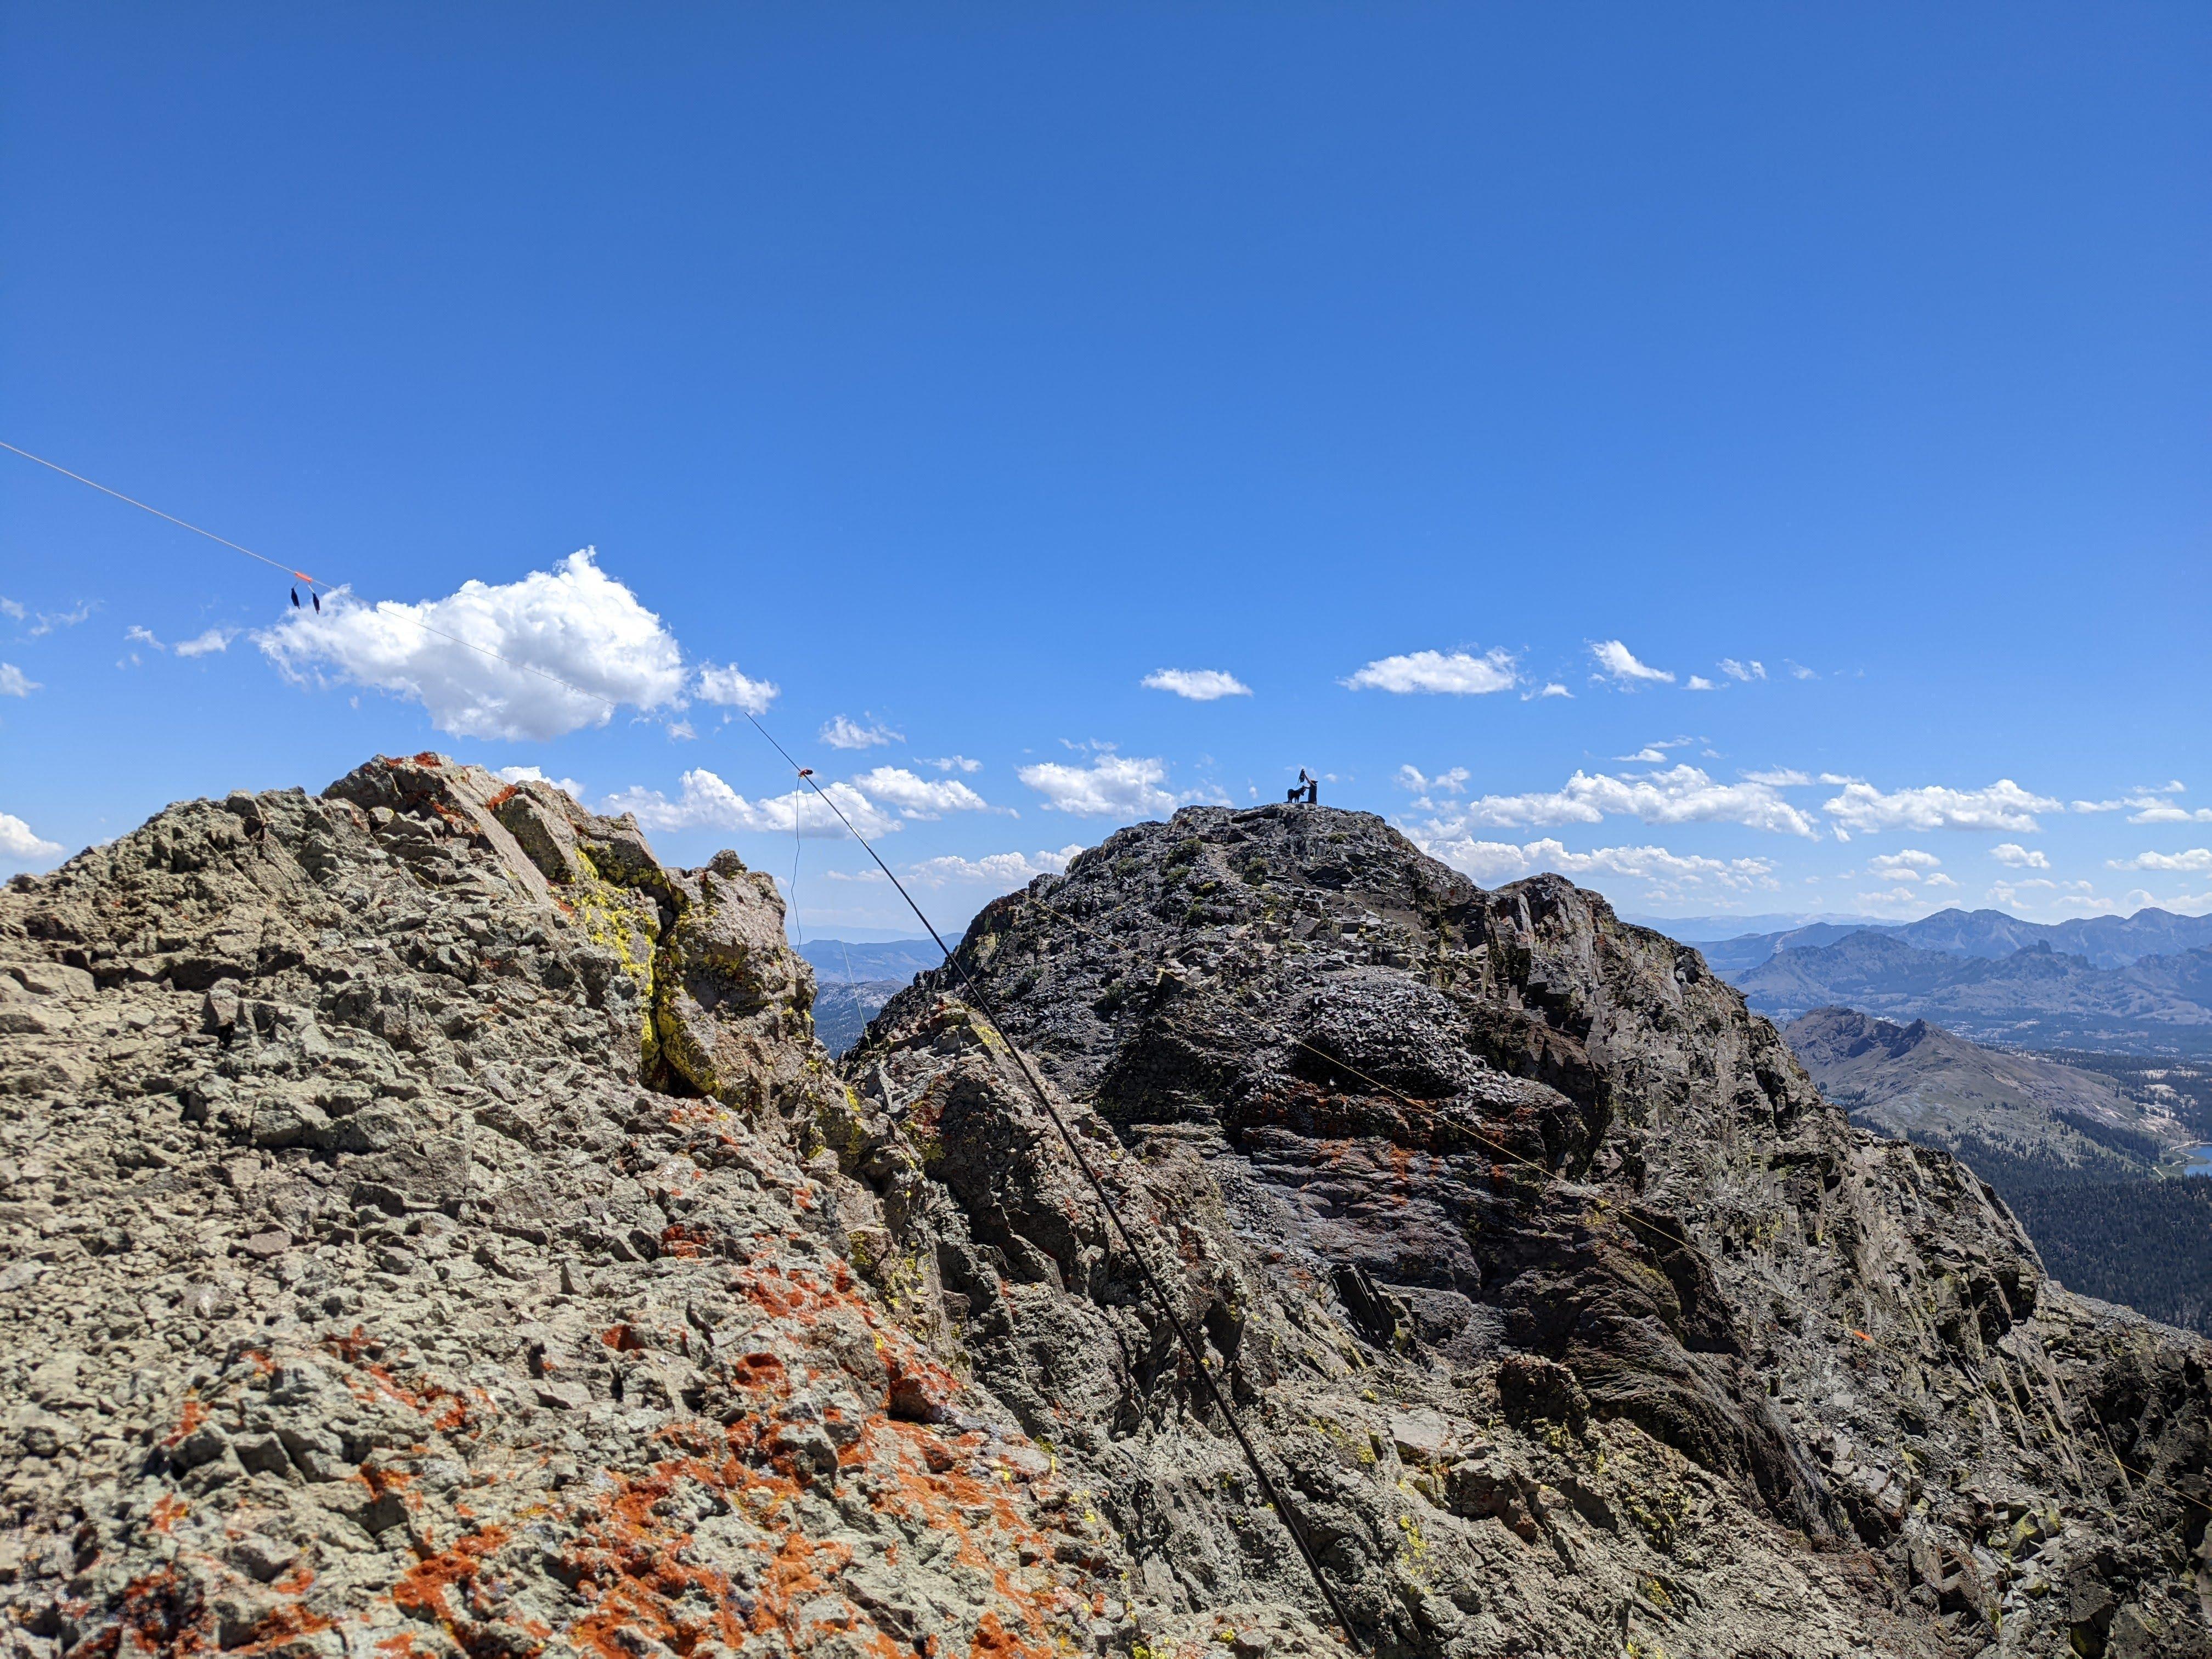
(432, 1228)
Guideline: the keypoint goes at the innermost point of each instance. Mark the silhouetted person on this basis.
(1306, 789)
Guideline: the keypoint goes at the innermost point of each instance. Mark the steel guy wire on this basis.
(313, 581)
(1214, 1395)
(1600, 1202)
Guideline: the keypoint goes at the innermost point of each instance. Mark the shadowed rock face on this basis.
(1511, 1400)
(432, 1228)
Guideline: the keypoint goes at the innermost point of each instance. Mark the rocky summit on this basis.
(432, 1228)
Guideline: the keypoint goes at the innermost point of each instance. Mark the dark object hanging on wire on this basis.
(317, 599)
(296, 598)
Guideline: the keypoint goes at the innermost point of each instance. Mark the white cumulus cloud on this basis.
(2195, 859)
(1199, 685)
(533, 659)
(919, 798)
(1444, 783)
(2143, 795)
(708, 803)
(1669, 872)
(16, 841)
(951, 762)
(732, 688)
(2002, 806)
(1910, 865)
(1001, 872)
(843, 733)
(1455, 672)
(2151, 804)
(1747, 669)
(1116, 786)
(1617, 660)
(2013, 854)
(14, 682)
(216, 639)
(1681, 794)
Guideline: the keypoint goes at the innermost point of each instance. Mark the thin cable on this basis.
(1338, 1063)
(55, 466)
(1114, 1216)
(313, 581)
(1601, 1202)
(797, 801)
(611, 703)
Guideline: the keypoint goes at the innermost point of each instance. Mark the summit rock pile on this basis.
(432, 1228)
(1572, 1317)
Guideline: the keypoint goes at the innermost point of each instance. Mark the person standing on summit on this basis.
(1306, 789)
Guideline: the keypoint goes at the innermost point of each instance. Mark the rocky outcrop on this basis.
(1921, 1081)
(432, 1228)
(1574, 1318)
(413, 1247)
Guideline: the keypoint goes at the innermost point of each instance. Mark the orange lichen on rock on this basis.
(194, 1414)
(676, 1239)
(421, 1591)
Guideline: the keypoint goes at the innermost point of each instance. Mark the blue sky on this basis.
(953, 370)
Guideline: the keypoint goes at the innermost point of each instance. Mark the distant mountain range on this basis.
(1927, 1084)
(856, 979)
(2084, 1158)
(2116, 984)
(1711, 930)
(2036, 998)
(842, 1009)
(2104, 941)
(849, 961)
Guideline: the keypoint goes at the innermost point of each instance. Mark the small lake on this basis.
(2200, 1160)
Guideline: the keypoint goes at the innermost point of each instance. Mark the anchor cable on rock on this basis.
(977, 996)
(314, 583)
(1308, 791)
(1549, 1176)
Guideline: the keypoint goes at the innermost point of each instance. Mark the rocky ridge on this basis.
(1726, 1375)
(432, 1224)
(419, 1242)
